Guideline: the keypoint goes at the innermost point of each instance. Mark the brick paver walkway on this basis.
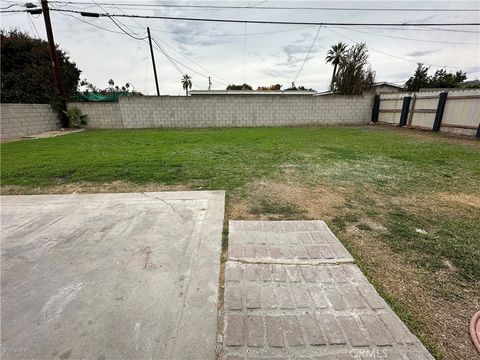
(292, 291)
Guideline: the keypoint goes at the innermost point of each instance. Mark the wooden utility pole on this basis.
(54, 58)
(153, 61)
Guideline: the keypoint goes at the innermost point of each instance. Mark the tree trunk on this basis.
(186, 91)
(333, 76)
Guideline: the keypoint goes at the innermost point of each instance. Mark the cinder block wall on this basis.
(17, 120)
(194, 112)
(101, 115)
(243, 110)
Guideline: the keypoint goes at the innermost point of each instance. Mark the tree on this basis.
(420, 78)
(440, 79)
(112, 88)
(27, 74)
(354, 75)
(275, 87)
(186, 83)
(243, 87)
(334, 55)
(299, 88)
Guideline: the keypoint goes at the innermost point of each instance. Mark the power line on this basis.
(33, 25)
(405, 24)
(194, 62)
(182, 64)
(322, 8)
(244, 51)
(127, 33)
(94, 25)
(404, 38)
(155, 40)
(172, 60)
(308, 54)
(8, 7)
(389, 54)
(227, 34)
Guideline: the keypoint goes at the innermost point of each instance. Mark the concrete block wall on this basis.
(238, 111)
(194, 112)
(101, 115)
(17, 120)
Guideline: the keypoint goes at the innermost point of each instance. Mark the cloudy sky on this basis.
(257, 54)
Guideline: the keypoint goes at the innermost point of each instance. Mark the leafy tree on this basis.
(440, 79)
(112, 88)
(420, 78)
(334, 56)
(239, 87)
(354, 75)
(186, 83)
(275, 87)
(473, 84)
(27, 73)
(299, 88)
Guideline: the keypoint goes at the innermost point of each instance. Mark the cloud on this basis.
(294, 51)
(422, 53)
(276, 73)
(186, 33)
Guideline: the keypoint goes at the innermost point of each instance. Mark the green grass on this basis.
(228, 158)
(281, 210)
(388, 163)
(378, 167)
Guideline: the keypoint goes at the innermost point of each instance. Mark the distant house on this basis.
(250, 92)
(386, 87)
(377, 88)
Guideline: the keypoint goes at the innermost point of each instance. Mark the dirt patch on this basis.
(260, 199)
(461, 199)
(441, 316)
(431, 136)
(89, 187)
(441, 203)
(437, 306)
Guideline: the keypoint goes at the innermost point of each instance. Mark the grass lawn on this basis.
(405, 203)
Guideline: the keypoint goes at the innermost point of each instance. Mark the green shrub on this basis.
(75, 117)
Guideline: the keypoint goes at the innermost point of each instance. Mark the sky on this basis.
(257, 54)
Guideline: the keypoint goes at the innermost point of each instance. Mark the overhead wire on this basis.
(404, 38)
(404, 24)
(214, 77)
(200, 66)
(389, 54)
(258, 7)
(244, 51)
(308, 54)
(33, 25)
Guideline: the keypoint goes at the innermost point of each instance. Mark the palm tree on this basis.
(334, 55)
(186, 83)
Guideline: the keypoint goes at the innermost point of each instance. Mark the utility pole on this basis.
(153, 60)
(54, 59)
(209, 84)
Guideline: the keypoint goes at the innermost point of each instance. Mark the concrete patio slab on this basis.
(110, 276)
(284, 300)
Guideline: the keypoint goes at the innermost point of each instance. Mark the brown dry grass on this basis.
(316, 202)
(90, 187)
(427, 135)
(439, 303)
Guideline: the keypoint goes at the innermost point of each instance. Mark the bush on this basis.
(75, 117)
